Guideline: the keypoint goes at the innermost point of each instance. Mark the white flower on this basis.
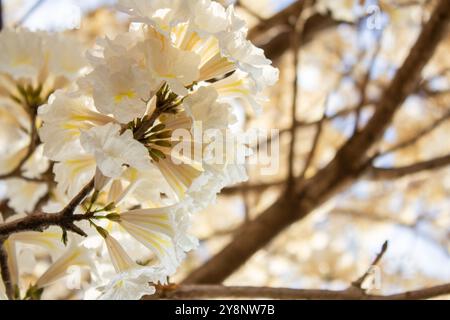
(65, 57)
(49, 239)
(2, 292)
(240, 86)
(11, 251)
(23, 54)
(38, 55)
(123, 91)
(148, 187)
(23, 196)
(155, 229)
(119, 258)
(74, 172)
(133, 284)
(235, 46)
(207, 16)
(165, 62)
(76, 255)
(161, 14)
(204, 108)
(65, 116)
(132, 281)
(112, 149)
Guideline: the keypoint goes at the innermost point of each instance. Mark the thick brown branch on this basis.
(217, 291)
(257, 187)
(281, 18)
(350, 161)
(280, 43)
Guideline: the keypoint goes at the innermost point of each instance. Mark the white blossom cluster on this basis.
(110, 117)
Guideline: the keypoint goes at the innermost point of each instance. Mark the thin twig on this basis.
(315, 143)
(412, 140)
(376, 173)
(365, 83)
(34, 141)
(1, 15)
(27, 14)
(358, 283)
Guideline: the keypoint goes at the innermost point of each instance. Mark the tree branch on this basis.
(25, 17)
(218, 291)
(41, 221)
(280, 18)
(1, 15)
(34, 141)
(376, 173)
(296, 34)
(359, 282)
(5, 272)
(410, 141)
(349, 163)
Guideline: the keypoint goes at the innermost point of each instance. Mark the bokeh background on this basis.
(348, 52)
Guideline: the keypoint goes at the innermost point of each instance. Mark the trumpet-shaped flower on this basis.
(74, 256)
(155, 229)
(119, 258)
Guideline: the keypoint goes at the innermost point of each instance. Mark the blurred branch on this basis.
(349, 162)
(30, 11)
(280, 18)
(5, 210)
(1, 15)
(279, 41)
(296, 40)
(34, 142)
(410, 141)
(5, 272)
(277, 44)
(250, 11)
(256, 187)
(315, 143)
(376, 173)
(218, 291)
(392, 220)
(365, 83)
